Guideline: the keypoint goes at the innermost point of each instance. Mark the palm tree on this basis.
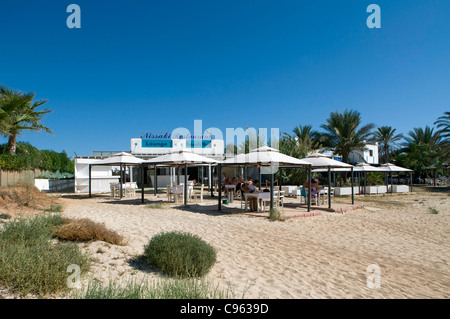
(18, 113)
(423, 148)
(443, 123)
(301, 142)
(387, 139)
(344, 134)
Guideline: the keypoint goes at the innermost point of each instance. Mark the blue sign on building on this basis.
(200, 144)
(157, 143)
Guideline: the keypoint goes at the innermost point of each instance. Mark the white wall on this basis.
(101, 176)
(48, 185)
(369, 155)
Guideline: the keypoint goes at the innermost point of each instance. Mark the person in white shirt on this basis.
(253, 188)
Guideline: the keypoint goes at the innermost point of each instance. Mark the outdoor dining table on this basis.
(231, 189)
(259, 195)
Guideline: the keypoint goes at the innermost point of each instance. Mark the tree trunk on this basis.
(12, 141)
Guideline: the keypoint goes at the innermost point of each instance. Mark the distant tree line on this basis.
(29, 157)
(421, 150)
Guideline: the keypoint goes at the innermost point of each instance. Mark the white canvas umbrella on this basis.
(390, 168)
(183, 157)
(119, 159)
(265, 156)
(322, 161)
(393, 168)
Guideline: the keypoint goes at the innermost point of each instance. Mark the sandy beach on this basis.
(323, 256)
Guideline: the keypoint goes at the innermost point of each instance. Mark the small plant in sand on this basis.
(275, 215)
(54, 208)
(433, 210)
(180, 254)
(22, 194)
(5, 216)
(157, 205)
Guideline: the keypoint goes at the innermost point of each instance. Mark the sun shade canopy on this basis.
(264, 156)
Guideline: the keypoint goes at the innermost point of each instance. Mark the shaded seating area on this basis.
(180, 159)
(272, 160)
(123, 160)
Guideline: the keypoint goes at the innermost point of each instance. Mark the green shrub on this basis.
(5, 216)
(433, 210)
(30, 262)
(275, 215)
(55, 208)
(162, 289)
(180, 254)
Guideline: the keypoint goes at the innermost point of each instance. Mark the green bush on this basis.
(180, 254)
(433, 210)
(29, 157)
(30, 262)
(162, 289)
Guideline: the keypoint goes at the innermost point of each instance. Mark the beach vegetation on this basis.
(55, 208)
(174, 288)
(157, 205)
(27, 195)
(84, 230)
(31, 262)
(180, 254)
(275, 215)
(5, 216)
(433, 210)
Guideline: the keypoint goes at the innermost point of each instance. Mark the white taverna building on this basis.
(149, 145)
(369, 155)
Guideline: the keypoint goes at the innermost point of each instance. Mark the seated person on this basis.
(315, 188)
(239, 184)
(252, 188)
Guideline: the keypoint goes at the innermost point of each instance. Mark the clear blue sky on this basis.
(157, 65)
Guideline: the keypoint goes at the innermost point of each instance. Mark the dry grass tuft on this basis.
(87, 230)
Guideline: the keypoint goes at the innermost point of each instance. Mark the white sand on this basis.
(312, 257)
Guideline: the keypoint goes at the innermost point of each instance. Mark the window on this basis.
(371, 153)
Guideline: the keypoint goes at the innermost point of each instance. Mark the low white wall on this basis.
(52, 185)
(164, 180)
(401, 189)
(344, 191)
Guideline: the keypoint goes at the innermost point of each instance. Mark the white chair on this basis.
(130, 189)
(195, 196)
(278, 199)
(114, 188)
(178, 192)
(170, 195)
